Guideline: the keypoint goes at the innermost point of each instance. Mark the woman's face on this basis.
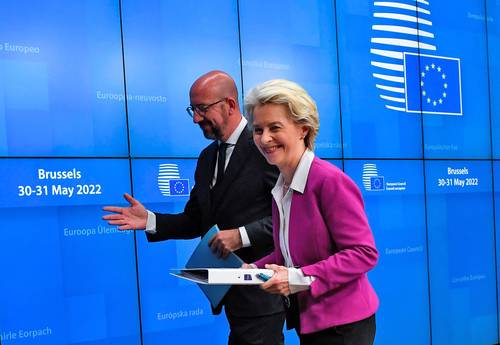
(277, 137)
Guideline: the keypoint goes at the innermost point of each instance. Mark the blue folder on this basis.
(203, 257)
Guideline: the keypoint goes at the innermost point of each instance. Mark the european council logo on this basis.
(371, 179)
(169, 181)
(409, 79)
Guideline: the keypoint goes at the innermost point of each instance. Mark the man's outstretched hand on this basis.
(133, 217)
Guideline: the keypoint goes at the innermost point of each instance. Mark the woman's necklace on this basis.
(285, 188)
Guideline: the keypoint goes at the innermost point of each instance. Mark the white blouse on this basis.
(283, 198)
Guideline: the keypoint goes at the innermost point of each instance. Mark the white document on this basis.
(225, 276)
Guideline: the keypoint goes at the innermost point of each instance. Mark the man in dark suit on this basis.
(232, 189)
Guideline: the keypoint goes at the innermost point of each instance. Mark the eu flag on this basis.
(433, 84)
(179, 187)
(377, 183)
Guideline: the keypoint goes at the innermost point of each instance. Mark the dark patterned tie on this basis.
(221, 162)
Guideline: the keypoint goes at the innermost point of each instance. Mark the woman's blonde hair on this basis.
(302, 108)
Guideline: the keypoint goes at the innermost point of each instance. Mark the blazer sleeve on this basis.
(268, 259)
(342, 208)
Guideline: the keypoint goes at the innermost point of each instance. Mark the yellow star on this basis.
(422, 83)
(433, 66)
(434, 103)
(445, 85)
(428, 100)
(427, 67)
(422, 74)
(443, 76)
(440, 101)
(439, 69)
(424, 93)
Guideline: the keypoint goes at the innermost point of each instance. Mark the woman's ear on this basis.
(305, 132)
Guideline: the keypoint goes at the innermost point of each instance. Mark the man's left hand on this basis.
(225, 241)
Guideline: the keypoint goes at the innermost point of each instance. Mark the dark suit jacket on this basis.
(243, 198)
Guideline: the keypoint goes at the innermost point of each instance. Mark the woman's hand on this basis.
(278, 284)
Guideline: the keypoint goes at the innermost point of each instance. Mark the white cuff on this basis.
(245, 240)
(151, 223)
(297, 281)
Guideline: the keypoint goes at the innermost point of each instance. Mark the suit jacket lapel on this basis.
(211, 157)
(237, 161)
(206, 175)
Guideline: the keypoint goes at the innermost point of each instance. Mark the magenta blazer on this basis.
(331, 240)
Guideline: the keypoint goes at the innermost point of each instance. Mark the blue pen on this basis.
(263, 277)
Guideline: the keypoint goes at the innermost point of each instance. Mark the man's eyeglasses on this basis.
(201, 109)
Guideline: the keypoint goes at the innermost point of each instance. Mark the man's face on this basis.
(210, 114)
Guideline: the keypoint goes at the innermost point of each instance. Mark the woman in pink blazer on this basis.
(324, 246)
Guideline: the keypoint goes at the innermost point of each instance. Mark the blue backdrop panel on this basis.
(372, 39)
(336, 162)
(71, 277)
(454, 78)
(172, 309)
(402, 79)
(496, 175)
(394, 193)
(168, 44)
(58, 65)
(295, 40)
(461, 252)
(493, 14)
